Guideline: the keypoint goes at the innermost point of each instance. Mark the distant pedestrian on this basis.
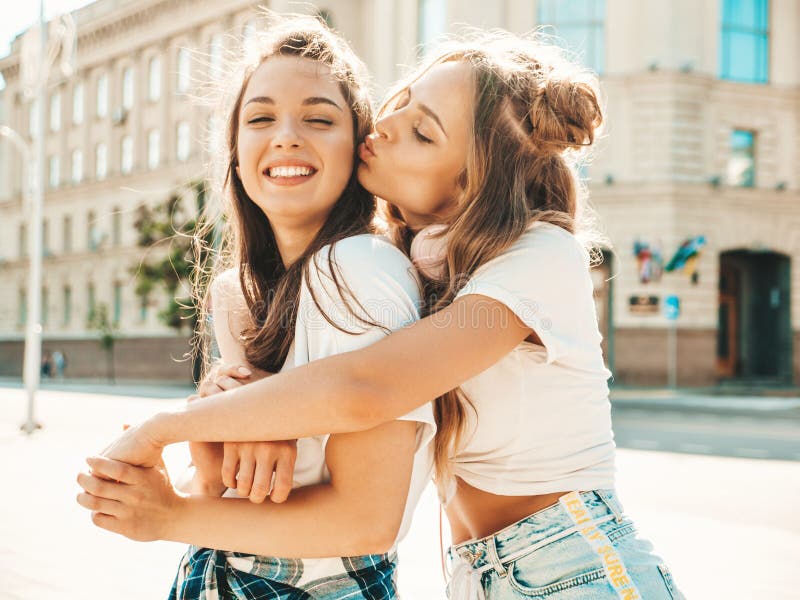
(47, 365)
(59, 364)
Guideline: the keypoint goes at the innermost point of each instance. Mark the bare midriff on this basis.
(475, 514)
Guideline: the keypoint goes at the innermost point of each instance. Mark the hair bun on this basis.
(564, 114)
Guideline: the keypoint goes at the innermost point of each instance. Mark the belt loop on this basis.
(613, 506)
(494, 559)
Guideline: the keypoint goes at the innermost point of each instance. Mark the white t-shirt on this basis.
(383, 287)
(543, 415)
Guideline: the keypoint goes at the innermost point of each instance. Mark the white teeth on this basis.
(289, 171)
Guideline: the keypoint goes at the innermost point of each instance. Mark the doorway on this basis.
(754, 332)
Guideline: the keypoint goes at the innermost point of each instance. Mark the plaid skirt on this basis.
(206, 574)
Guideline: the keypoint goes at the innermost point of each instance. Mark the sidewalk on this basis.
(728, 528)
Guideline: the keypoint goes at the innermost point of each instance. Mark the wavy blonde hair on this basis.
(535, 113)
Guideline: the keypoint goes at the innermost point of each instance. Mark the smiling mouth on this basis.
(289, 175)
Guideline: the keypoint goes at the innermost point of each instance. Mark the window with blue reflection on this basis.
(744, 41)
(432, 22)
(741, 171)
(579, 25)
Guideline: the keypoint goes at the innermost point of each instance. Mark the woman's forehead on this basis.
(288, 75)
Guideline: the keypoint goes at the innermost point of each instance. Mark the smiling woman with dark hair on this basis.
(296, 289)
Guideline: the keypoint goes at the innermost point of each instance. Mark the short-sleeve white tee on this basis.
(380, 285)
(542, 421)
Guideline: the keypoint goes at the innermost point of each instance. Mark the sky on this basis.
(18, 16)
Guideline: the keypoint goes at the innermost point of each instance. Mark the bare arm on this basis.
(406, 369)
(358, 512)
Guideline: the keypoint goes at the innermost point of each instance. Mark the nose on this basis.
(286, 135)
(385, 126)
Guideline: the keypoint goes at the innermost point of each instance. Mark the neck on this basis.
(292, 243)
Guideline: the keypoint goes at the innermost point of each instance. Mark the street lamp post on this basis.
(33, 159)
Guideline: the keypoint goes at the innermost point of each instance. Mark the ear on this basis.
(238, 173)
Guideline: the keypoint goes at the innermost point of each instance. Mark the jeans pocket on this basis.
(522, 586)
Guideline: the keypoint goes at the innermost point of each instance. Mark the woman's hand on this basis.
(137, 445)
(207, 456)
(137, 502)
(249, 467)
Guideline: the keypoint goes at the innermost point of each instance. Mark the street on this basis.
(727, 526)
(737, 435)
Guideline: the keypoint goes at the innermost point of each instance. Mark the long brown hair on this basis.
(246, 239)
(534, 111)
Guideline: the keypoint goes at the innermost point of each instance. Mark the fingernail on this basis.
(245, 371)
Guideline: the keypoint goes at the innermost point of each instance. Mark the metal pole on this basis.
(33, 334)
(672, 351)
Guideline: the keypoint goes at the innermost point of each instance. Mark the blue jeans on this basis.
(581, 548)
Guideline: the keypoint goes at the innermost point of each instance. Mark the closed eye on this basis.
(422, 138)
(321, 121)
(261, 120)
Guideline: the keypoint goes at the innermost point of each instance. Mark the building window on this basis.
(55, 112)
(579, 26)
(67, 233)
(154, 79)
(100, 161)
(55, 171)
(248, 33)
(153, 149)
(127, 88)
(102, 95)
(92, 241)
(217, 47)
(22, 308)
(46, 238)
(432, 22)
(117, 303)
(741, 171)
(23, 240)
(744, 43)
(77, 104)
(143, 307)
(184, 70)
(91, 302)
(33, 118)
(77, 166)
(116, 227)
(182, 147)
(67, 305)
(45, 306)
(126, 155)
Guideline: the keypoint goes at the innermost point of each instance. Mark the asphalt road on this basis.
(756, 435)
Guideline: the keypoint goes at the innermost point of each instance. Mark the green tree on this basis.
(99, 321)
(167, 226)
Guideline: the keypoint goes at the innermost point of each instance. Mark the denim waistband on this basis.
(547, 525)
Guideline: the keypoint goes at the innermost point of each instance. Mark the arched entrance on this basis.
(754, 333)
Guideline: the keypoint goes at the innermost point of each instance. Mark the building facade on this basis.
(700, 152)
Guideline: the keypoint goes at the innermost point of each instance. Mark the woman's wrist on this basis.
(178, 514)
(162, 428)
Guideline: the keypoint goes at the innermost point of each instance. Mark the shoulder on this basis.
(363, 260)
(226, 290)
(544, 249)
(353, 251)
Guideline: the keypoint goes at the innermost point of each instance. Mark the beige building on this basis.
(702, 140)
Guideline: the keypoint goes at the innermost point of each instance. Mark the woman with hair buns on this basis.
(474, 158)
